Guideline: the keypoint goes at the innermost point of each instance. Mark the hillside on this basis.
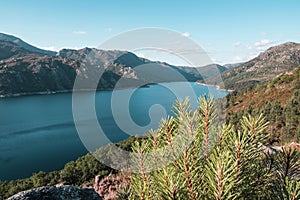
(278, 100)
(265, 67)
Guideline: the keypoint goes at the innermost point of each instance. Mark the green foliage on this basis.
(212, 162)
(284, 174)
(82, 170)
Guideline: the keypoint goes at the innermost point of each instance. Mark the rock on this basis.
(57, 193)
(107, 187)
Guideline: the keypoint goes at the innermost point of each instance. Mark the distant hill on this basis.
(265, 67)
(21, 43)
(206, 71)
(232, 65)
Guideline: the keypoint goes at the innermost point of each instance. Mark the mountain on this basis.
(23, 72)
(25, 69)
(21, 43)
(265, 67)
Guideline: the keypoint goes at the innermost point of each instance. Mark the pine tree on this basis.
(191, 158)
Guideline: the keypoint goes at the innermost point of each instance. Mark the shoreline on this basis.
(216, 86)
(63, 91)
(98, 90)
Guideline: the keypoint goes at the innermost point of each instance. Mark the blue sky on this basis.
(230, 31)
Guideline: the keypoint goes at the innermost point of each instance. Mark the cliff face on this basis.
(57, 193)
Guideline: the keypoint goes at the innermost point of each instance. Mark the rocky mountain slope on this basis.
(27, 72)
(265, 67)
(21, 43)
(9, 49)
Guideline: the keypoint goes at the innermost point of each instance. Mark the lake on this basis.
(37, 133)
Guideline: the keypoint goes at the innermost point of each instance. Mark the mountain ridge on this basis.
(266, 66)
(24, 72)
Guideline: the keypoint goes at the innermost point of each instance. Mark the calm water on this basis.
(38, 132)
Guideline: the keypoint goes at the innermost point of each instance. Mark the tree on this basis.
(236, 165)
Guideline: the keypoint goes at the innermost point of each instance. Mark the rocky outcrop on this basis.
(57, 193)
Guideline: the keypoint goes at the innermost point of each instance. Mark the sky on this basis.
(230, 31)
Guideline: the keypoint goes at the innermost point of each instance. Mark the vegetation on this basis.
(278, 100)
(212, 164)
